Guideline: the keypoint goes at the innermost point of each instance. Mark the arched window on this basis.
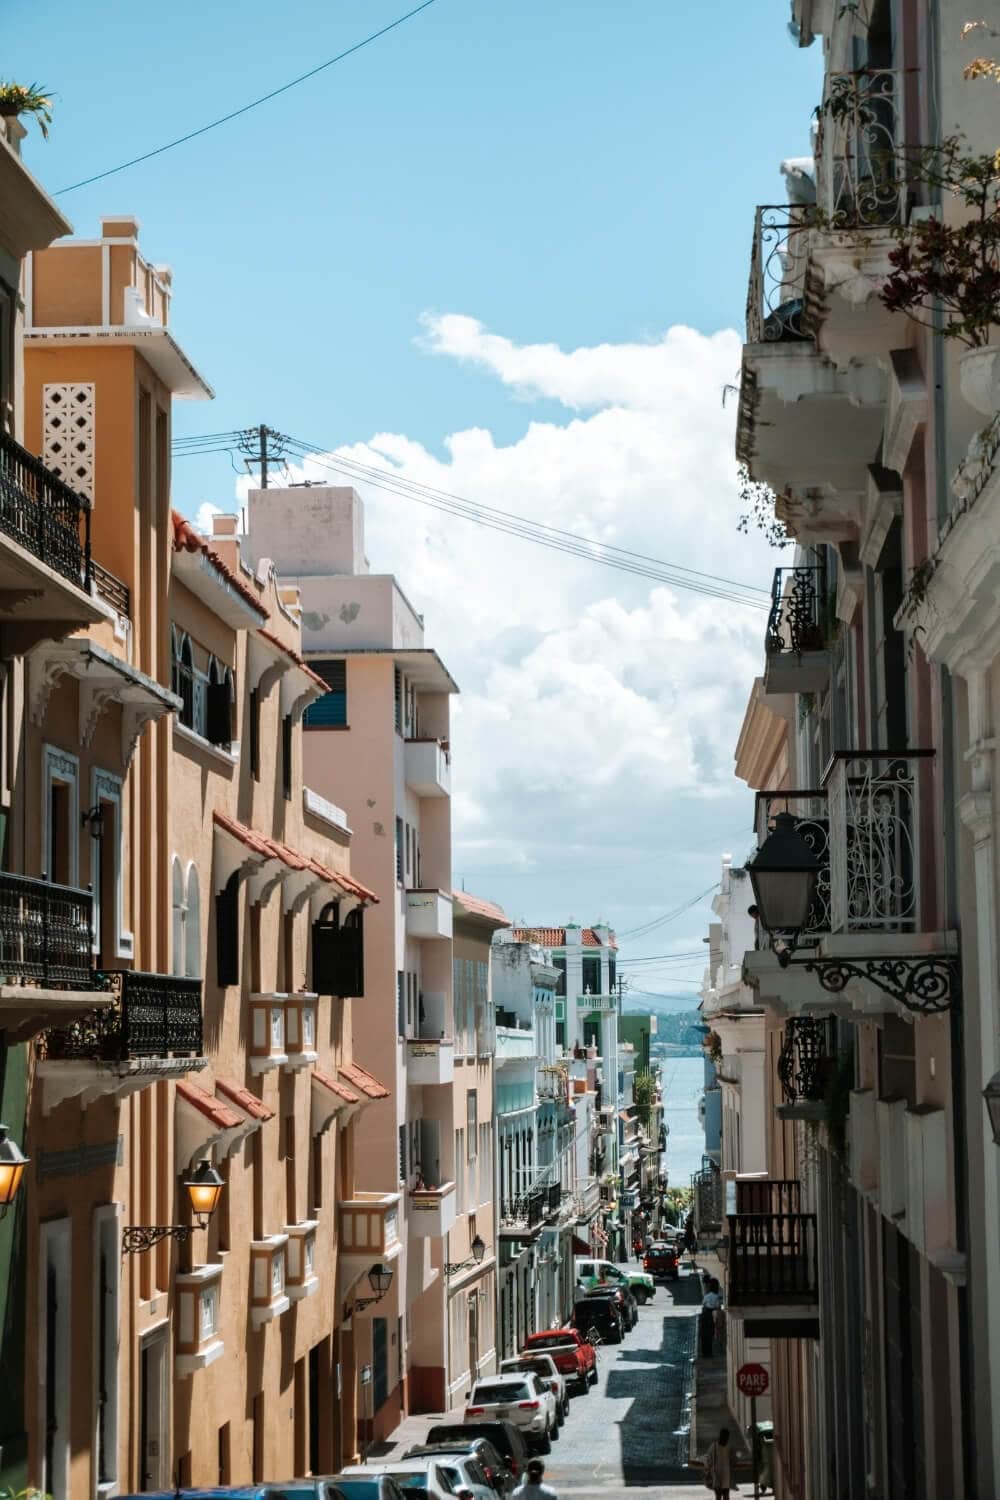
(219, 704)
(192, 935)
(177, 957)
(182, 675)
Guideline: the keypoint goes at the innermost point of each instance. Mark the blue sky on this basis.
(577, 175)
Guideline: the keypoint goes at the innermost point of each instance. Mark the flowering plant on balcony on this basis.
(954, 267)
(26, 99)
(712, 1043)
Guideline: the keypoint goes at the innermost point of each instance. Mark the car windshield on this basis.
(359, 1489)
(415, 1480)
(557, 1341)
(498, 1395)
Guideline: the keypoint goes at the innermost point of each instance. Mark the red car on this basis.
(573, 1356)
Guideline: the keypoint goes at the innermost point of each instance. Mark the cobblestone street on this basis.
(633, 1429)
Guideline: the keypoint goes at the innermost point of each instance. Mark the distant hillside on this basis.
(679, 1031)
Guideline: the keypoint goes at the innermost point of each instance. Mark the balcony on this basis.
(588, 1200)
(807, 1054)
(861, 178)
(599, 1004)
(806, 425)
(523, 1215)
(268, 1265)
(799, 630)
(369, 1229)
(428, 914)
(301, 1280)
(267, 1033)
(45, 564)
(152, 1028)
(431, 1211)
(46, 966)
(427, 766)
(872, 905)
(430, 1061)
(771, 1274)
(513, 1040)
(197, 1294)
(552, 1083)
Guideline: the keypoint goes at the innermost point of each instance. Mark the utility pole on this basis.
(262, 446)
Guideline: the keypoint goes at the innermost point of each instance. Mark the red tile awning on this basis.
(268, 850)
(203, 1123)
(365, 1081)
(330, 1098)
(244, 1100)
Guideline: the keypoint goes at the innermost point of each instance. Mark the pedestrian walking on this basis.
(690, 1238)
(718, 1466)
(532, 1487)
(710, 1304)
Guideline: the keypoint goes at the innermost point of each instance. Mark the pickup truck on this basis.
(591, 1273)
(573, 1356)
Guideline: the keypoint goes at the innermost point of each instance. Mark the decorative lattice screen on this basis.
(68, 434)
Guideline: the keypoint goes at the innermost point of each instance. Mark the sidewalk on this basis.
(709, 1397)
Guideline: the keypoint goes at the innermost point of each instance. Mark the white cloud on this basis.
(593, 740)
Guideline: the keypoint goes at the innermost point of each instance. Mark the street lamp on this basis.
(991, 1093)
(783, 875)
(478, 1248)
(380, 1280)
(12, 1164)
(203, 1188)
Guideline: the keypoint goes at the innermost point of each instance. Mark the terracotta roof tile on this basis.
(296, 658)
(216, 1110)
(187, 539)
(269, 848)
(555, 937)
(329, 1082)
(356, 1074)
(476, 906)
(244, 1099)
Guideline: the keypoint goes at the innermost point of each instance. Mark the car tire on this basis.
(554, 1432)
(641, 1296)
(545, 1446)
(593, 1376)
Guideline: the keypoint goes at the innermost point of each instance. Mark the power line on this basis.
(670, 915)
(510, 521)
(245, 108)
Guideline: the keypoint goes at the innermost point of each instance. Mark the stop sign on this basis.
(752, 1380)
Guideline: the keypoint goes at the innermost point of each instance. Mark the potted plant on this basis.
(26, 99)
(946, 276)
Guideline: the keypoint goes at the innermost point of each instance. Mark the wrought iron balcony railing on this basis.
(45, 933)
(772, 1259)
(43, 515)
(707, 1185)
(864, 826)
(860, 169)
(767, 1195)
(805, 1058)
(796, 622)
(153, 1015)
(776, 291)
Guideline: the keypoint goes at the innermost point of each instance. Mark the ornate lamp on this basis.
(12, 1164)
(783, 875)
(478, 1248)
(203, 1189)
(380, 1280)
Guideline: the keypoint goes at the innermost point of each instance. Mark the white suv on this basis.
(545, 1366)
(525, 1400)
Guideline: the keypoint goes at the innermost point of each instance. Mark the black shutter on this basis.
(353, 945)
(254, 726)
(325, 943)
(286, 757)
(218, 722)
(227, 933)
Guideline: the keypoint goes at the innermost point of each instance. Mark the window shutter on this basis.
(286, 757)
(330, 711)
(227, 934)
(254, 727)
(218, 720)
(325, 938)
(353, 942)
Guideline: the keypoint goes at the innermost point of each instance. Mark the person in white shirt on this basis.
(710, 1304)
(532, 1487)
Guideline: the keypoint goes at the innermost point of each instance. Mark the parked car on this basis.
(367, 1486)
(505, 1437)
(595, 1272)
(663, 1260)
(545, 1366)
(573, 1356)
(524, 1400)
(600, 1315)
(430, 1477)
(623, 1300)
(481, 1449)
(291, 1489)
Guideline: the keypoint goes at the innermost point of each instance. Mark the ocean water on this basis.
(683, 1082)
